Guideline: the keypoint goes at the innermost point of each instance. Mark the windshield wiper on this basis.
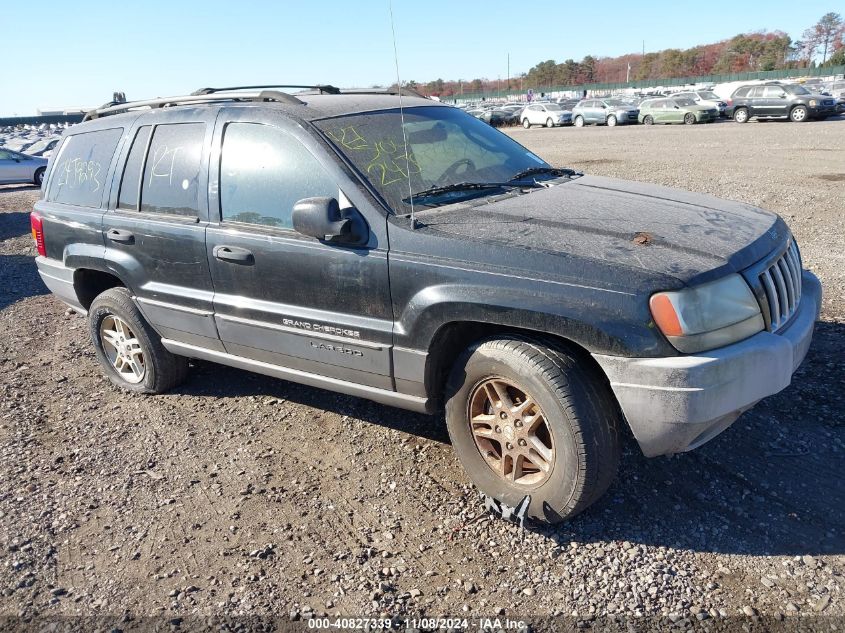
(467, 186)
(554, 171)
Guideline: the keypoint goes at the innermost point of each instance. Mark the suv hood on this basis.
(692, 237)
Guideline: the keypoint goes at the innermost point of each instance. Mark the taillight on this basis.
(36, 221)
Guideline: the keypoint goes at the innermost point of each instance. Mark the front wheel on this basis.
(579, 121)
(689, 118)
(611, 121)
(526, 124)
(798, 114)
(128, 349)
(648, 120)
(550, 123)
(526, 418)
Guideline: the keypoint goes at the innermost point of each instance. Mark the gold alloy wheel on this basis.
(123, 349)
(511, 432)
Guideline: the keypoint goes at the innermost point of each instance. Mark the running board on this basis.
(382, 396)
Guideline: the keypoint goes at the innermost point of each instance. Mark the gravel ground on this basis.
(243, 495)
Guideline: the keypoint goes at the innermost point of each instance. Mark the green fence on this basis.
(788, 73)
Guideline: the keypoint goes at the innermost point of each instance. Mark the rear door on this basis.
(281, 297)
(155, 230)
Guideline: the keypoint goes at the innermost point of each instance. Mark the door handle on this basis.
(117, 235)
(234, 255)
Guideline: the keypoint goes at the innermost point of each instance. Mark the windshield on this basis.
(710, 96)
(445, 147)
(797, 90)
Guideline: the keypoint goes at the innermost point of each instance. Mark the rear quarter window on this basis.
(79, 173)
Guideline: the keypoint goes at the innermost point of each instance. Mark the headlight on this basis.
(711, 315)
(813, 103)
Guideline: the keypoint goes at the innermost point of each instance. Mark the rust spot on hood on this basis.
(643, 238)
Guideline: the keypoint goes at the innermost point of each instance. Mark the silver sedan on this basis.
(17, 167)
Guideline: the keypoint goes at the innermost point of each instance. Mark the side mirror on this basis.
(322, 218)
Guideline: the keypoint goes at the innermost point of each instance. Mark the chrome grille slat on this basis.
(781, 283)
(790, 288)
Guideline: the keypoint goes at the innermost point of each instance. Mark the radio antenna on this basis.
(402, 118)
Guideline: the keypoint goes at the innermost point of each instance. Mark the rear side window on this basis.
(130, 185)
(264, 172)
(171, 173)
(80, 171)
(741, 92)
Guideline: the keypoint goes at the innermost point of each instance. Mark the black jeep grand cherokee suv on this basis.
(779, 101)
(406, 252)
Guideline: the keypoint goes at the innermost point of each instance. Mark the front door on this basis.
(281, 297)
(13, 168)
(155, 231)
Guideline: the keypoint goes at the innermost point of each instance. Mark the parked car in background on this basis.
(43, 147)
(568, 104)
(548, 114)
(513, 113)
(609, 112)
(779, 101)
(704, 98)
(490, 116)
(16, 167)
(837, 91)
(676, 110)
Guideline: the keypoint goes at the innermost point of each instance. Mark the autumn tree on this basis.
(823, 35)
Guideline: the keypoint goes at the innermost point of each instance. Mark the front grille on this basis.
(781, 283)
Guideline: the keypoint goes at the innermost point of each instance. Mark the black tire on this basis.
(689, 118)
(525, 123)
(799, 114)
(612, 120)
(162, 370)
(579, 121)
(648, 120)
(39, 176)
(550, 123)
(741, 115)
(582, 416)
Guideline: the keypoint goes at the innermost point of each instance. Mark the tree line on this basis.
(822, 44)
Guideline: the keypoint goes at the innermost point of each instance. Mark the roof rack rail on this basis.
(113, 107)
(323, 88)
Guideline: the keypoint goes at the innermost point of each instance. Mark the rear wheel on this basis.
(648, 120)
(526, 418)
(611, 121)
(525, 123)
(689, 118)
(798, 114)
(39, 176)
(741, 115)
(550, 123)
(579, 121)
(128, 349)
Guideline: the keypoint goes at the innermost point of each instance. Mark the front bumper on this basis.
(678, 403)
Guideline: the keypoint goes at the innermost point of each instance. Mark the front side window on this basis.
(80, 170)
(171, 174)
(264, 172)
(444, 147)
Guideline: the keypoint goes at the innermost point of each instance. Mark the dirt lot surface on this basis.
(241, 494)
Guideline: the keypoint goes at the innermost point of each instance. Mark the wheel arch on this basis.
(452, 338)
(89, 283)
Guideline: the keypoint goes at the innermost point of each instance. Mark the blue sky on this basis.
(77, 53)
